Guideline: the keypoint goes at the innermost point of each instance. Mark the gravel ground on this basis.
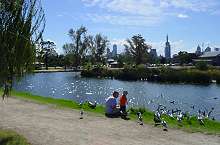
(46, 125)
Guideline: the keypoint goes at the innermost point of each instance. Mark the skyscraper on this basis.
(167, 49)
(114, 51)
(198, 50)
(208, 49)
(108, 53)
(217, 49)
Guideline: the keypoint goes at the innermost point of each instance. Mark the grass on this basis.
(11, 138)
(191, 125)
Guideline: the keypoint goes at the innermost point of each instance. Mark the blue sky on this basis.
(188, 22)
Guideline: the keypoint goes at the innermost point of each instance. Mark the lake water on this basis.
(70, 85)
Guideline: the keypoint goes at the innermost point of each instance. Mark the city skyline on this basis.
(188, 22)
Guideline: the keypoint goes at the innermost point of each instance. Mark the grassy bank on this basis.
(191, 125)
(163, 74)
(11, 138)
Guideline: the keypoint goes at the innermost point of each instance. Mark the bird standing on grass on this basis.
(92, 105)
(140, 119)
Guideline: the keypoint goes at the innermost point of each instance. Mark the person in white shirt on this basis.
(111, 106)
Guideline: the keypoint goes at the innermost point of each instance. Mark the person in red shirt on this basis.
(123, 101)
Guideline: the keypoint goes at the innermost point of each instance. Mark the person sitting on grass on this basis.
(111, 106)
(123, 102)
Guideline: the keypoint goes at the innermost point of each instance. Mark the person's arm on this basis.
(114, 104)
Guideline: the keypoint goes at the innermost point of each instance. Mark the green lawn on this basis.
(191, 125)
(11, 138)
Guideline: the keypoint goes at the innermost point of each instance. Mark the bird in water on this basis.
(193, 107)
(92, 105)
(140, 119)
(81, 114)
(172, 102)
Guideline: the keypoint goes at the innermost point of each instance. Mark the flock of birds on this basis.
(177, 114)
(161, 110)
(180, 114)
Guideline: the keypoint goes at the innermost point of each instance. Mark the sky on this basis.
(188, 23)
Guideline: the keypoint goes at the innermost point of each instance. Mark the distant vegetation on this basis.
(163, 74)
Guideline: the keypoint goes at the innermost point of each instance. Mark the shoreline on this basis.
(55, 70)
(211, 127)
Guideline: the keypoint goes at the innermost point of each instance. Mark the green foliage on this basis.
(21, 26)
(78, 45)
(88, 66)
(185, 57)
(11, 138)
(46, 53)
(202, 65)
(86, 47)
(163, 74)
(137, 48)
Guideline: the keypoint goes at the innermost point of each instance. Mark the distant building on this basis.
(114, 51)
(167, 49)
(198, 50)
(112, 63)
(212, 58)
(208, 49)
(153, 53)
(217, 49)
(109, 54)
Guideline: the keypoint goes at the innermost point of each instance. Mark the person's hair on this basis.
(125, 92)
(115, 93)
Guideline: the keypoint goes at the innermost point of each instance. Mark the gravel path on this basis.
(45, 125)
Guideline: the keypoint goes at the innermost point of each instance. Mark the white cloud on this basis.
(183, 16)
(192, 5)
(59, 15)
(146, 12)
(126, 20)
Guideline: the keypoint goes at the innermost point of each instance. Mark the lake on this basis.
(70, 85)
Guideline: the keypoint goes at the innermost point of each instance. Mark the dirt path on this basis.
(45, 125)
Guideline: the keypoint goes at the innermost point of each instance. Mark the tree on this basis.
(137, 48)
(184, 57)
(78, 45)
(22, 23)
(97, 46)
(47, 51)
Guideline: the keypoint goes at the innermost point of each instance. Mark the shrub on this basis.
(202, 65)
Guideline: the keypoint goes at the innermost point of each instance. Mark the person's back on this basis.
(123, 101)
(110, 105)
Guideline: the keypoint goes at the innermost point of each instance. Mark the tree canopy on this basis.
(85, 47)
(22, 23)
(137, 48)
